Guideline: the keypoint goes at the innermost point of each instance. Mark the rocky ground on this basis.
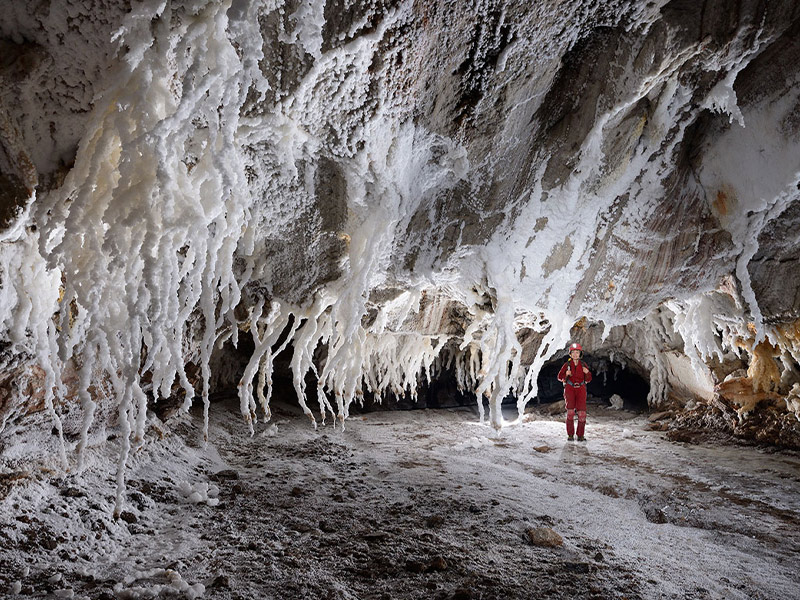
(402, 504)
(719, 421)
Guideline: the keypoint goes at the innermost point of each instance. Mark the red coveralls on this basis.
(575, 394)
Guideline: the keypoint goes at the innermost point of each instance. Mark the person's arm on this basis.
(587, 374)
(562, 374)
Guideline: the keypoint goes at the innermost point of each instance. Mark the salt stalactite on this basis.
(567, 235)
(379, 358)
(588, 191)
(29, 297)
(757, 223)
(473, 373)
(557, 337)
(52, 382)
(793, 400)
(385, 185)
(265, 331)
(787, 338)
(88, 404)
(315, 330)
(147, 223)
(714, 323)
(694, 321)
(265, 368)
(395, 361)
(655, 334)
(500, 372)
(752, 164)
(465, 361)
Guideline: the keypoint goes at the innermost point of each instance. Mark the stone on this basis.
(414, 566)
(48, 543)
(434, 521)
(327, 527)
(578, 567)
(657, 427)
(128, 517)
(72, 492)
(375, 536)
(438, 563)
(660, 416)
(225, 475)
(240, 487)
(544, 537)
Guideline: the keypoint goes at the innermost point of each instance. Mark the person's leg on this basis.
(581, 424)
(580, 406)
(569, 399)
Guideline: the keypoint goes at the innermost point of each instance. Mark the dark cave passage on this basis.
(441, 392)
(609, 378)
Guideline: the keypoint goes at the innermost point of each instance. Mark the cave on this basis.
(609, 378)
(284, 286)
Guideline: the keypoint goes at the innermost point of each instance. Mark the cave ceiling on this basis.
(403, 184)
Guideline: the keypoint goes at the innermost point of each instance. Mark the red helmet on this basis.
(576, 346)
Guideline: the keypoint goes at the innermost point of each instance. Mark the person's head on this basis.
(575, 351)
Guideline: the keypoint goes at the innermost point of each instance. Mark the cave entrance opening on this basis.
(610, 378)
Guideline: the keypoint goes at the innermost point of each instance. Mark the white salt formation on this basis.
(392, 193)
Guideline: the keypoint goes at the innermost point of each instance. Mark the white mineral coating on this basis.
(393, 189)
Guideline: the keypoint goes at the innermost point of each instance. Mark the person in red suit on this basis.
(574, 375)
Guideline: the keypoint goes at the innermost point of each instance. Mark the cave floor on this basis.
(412, 504)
